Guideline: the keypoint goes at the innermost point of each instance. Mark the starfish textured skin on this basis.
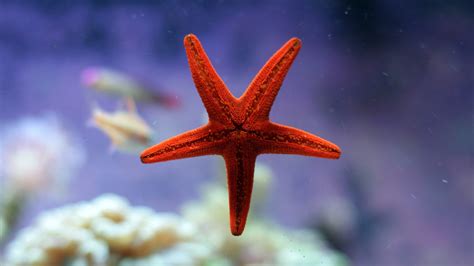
(239, 129)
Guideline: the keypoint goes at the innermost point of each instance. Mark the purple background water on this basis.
(391, 84)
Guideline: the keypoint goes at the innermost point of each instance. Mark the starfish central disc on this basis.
(239, 129)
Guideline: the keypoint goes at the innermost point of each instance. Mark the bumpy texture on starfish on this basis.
(239, 129)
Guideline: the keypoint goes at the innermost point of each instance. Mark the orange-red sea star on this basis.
(239, 129)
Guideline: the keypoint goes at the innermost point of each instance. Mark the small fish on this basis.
(113, 82)
(125, 128)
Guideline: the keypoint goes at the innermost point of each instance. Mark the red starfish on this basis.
(239, 129)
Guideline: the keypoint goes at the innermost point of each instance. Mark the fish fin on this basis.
(94, 106)
(167, 100)
(130, 105)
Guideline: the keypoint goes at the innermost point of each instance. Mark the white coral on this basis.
(38, 153)
(95, 232)
(262, 243)
(108, 231)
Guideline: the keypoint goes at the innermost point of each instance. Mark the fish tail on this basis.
(168, 101)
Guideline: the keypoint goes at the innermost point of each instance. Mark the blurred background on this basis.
(389, 83)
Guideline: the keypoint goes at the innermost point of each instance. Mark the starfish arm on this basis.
(276, 138)
(215, 95)
(198, 142)
(262, 91)
(240, 164)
